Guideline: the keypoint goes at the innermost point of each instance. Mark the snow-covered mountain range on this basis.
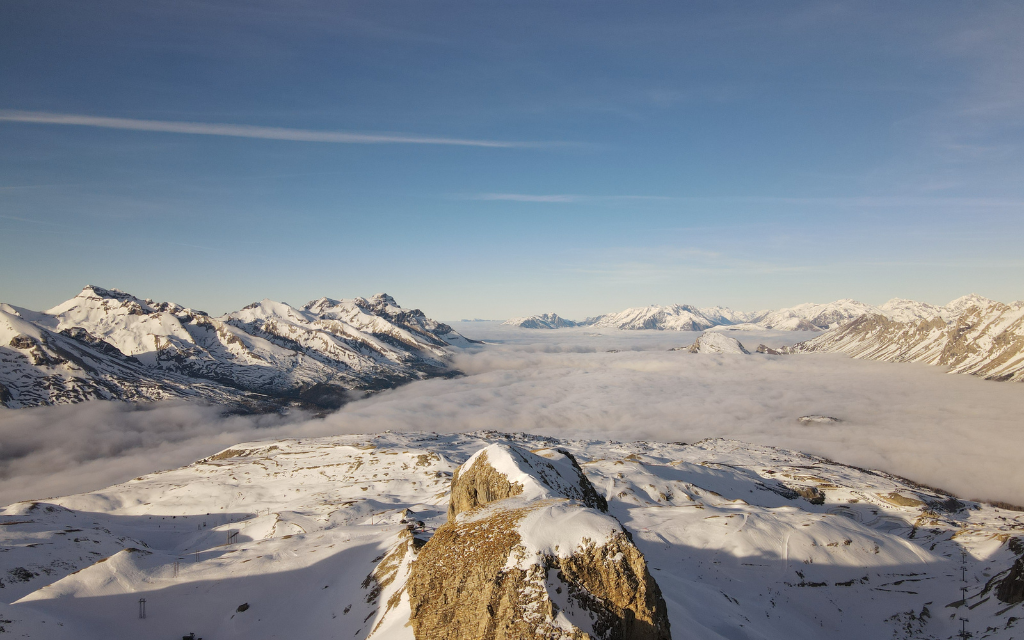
(404, 536)
(107, 344)
(970, 335)
(803, 317)
(675, 317)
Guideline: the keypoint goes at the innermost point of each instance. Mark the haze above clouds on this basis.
(954, 432)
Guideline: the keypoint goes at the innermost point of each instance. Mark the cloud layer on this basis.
(955, 432)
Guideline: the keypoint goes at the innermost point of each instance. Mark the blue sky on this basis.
(751, 155)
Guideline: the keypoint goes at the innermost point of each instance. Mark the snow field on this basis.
(737, 552)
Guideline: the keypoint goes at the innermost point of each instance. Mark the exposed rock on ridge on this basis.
(554, 473)
(523, 556)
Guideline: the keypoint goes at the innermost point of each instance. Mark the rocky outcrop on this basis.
(1011, 589)
(528, 553)
(818, 419)
(716, 342)
(555, 473)
(480, 484)
(813, 495)
(386, 584)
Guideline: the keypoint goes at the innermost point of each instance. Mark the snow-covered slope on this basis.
(109, 344)
(542, 321)
(314, 538)
(984, 339)
(675, 317)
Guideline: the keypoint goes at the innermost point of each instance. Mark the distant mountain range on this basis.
(803, 317)
(970, 335)
(107, 344)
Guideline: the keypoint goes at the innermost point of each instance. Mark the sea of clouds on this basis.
(956, 432)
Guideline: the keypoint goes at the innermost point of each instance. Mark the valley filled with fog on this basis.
(955, 432)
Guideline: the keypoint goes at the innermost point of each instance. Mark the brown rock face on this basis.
(460, 588)
(813, 495)
(1011, 589)
(618, 588)
(479, 485)
(475, 578)
(23, 342)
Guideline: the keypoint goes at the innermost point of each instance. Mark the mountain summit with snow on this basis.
(541, 321)
(107, 344)
(675, 317)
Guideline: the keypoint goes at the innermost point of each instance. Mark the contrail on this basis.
(247, 131)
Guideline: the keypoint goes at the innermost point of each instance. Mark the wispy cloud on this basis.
(29, 220)
(248, 131)
(838, 201)
(525, 197)
(555, 197)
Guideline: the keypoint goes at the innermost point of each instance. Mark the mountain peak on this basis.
(968, 300)
(144, 350)
(541, 321)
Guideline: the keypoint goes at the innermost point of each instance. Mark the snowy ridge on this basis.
(726, 316)
(985, 338)
(107, 344)
(675, 317)
(902, 310)
(542, 321)
(744, 540)
(809, 316)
